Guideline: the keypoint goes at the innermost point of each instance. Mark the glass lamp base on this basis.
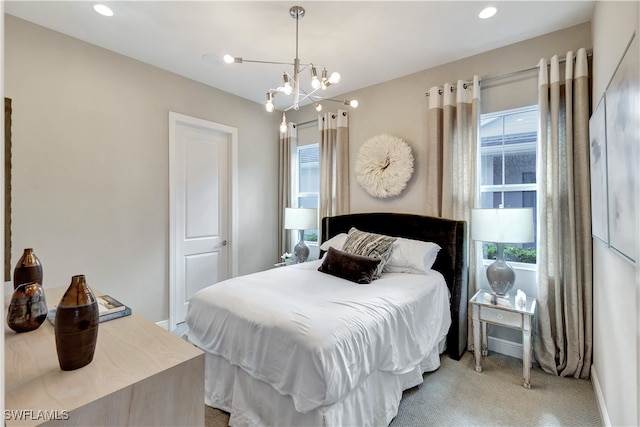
(301, 251)
(501, 277)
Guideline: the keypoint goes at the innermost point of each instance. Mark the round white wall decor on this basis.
(384, 165)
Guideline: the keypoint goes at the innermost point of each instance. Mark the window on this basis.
(508, 146)
(306, 182)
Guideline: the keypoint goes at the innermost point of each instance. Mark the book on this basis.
(116, 314)
(126, 311)
(107, 305)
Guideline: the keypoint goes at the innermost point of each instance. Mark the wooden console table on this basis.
(140, 375)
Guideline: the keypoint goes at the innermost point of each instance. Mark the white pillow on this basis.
(411, 256)
(336, 242)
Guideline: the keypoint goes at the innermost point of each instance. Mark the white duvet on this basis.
(316, 337)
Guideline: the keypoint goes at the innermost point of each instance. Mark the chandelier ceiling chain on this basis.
(291, 83)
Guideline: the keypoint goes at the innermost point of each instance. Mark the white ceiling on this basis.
(367, 42)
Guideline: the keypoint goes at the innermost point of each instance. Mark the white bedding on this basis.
(316, 337)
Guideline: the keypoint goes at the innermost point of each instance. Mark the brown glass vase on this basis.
(28, 308)
(76, 325)
(28, 269)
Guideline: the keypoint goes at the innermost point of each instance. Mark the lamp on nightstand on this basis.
(301, 219)
(502, 226)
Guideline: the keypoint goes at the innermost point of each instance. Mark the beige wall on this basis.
(615, 292)
(91, 164)
(399, 106)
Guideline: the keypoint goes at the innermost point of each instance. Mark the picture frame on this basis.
(598, 168)
(623, 150)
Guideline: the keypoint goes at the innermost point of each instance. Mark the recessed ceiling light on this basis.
(102, 9)
(487, 12)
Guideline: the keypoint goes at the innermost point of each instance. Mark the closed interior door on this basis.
(200, 174)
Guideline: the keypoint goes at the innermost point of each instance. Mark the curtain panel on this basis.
(288, 142)
(452, 149)
(453, 123)
(563, 342)
(334, 163)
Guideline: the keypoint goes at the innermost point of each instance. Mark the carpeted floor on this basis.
(457, 395)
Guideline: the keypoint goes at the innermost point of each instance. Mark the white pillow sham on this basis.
(408, 255)
(411, 256)
(336, 242)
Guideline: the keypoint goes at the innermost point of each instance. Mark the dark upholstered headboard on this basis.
(452, 259)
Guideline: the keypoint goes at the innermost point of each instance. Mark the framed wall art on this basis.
(623, 151)
(598, 164)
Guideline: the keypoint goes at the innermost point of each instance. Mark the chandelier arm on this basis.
(302, 66)
(348, 102)
(305, 96)
(292, 81)
(267, 62)
(309, 94)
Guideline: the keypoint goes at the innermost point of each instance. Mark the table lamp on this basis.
(301, 219)
(502, 226)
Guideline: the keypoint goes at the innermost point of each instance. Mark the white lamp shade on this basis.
(300, 219)
(502, 225)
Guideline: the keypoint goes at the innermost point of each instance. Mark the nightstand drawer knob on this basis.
(500, 316)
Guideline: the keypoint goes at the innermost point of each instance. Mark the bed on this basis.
(296, 346)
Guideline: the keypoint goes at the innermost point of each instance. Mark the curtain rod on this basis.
(511, 74)
(307, 122)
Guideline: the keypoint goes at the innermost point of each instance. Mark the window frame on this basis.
(295, 183)
(503, 188)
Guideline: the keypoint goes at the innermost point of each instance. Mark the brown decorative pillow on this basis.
(369, 245)
(356, 268)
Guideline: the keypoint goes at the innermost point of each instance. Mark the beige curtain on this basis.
(452, 155)
(288, 142)
(563, 342)
(452, 146)
(334, 163)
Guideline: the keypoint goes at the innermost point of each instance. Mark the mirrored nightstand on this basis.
(488, 308)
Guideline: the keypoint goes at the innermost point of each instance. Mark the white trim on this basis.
(508, 188)
(521, 147)
(524, 266)
(602, 407)
(174, 119)
(517, 110)
(508, 348)
(164, 324)
(295, 184)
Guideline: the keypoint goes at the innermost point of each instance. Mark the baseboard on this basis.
(602, 407)
(508, 348)
(164, 324)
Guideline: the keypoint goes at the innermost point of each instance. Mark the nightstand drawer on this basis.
(501, 317)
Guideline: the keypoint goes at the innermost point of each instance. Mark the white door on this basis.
(200, 208)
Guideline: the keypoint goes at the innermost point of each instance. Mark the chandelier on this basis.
(291, 82)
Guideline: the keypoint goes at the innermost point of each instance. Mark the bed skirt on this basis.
(252, 402)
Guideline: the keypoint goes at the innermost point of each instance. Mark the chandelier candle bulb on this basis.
(291, 82)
